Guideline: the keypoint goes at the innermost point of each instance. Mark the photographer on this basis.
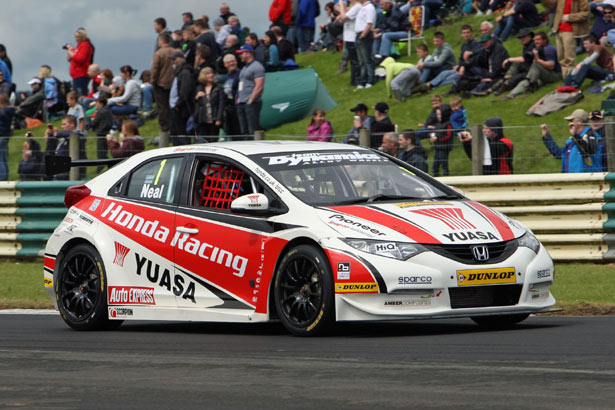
(80, 58)
(518, 67)
(58, 142)
(582, 150)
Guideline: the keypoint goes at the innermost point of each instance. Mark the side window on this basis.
(155, 181)
(216, 184)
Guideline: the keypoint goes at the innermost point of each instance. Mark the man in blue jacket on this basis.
(582, 152)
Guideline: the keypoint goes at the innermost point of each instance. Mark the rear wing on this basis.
(55, 164)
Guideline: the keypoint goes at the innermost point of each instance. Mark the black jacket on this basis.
(416, 157)
(501, 149)
(379, 128)
(216, 100)
(103, 121)
(492, 58)
(185, 88)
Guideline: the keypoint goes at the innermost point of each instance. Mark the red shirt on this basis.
(81, 60)
(566, 27)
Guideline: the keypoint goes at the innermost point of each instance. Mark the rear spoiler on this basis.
(55, 164)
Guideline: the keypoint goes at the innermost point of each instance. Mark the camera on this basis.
(65, 47)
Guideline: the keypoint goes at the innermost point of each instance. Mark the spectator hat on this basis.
(596, 115)
(219, 22)
(526, 31)
(176, 54)
(359, 107)
(577, 114)
(485, 37)
(34, 80)
(245, 48)
(382, 107)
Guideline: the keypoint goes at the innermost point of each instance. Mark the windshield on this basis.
(345, 177)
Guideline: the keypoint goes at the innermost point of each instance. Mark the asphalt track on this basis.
(544, 363)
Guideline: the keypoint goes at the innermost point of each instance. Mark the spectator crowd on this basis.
(207, 78)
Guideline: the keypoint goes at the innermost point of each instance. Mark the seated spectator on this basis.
(6, 118)
(498, 159)
(285, 46)
(361, 121)
(390, 144)
(521, 14)
(330, 31)
(209, 109)
(604, 21)
(545, 68)
(32, 105)
(582, 150)
(603, 70)
(130, 101)
(443, 59)
(518, 67)
(272, 56)
(400, 78)
(381, 125)
(441, 136)
(106, 82)
(491, 63)
(130, 141)
(486, 27)
(422, 51)
(233, 27)
(101, 125)
(411, 150)
(76, 110)
(31, 166)
(459, 117)
(58, 143)
(487, 7)
(396, 28)
(319, 128)
(147, 91)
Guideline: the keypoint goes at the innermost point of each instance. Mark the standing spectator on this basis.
(518, 67)
(130, 101)
(442, 139)
(381, 125)
(349, 35)
(130, 141)
(233, 27)
(251, 85)
(6, 72)
(307, 12)
(259, 50)
(443, 58)
(231, 86)
(188, 45)
(6, 118)
(162, 77)
(580, 152)
(31, 166)
(5, 87)
(160, 26)
(280, 14)
(225, 12)
(5, 58)
(571, 21)
(364, 22)
(390, 144)
(209, 106)
(545, 68)
(498, 160)
(205, 36)
(57, 143)
(101, 125)
(182, 98)
(595, 53)
(272, 55)
(411, 150)
(80, 58)
(400, 78)
(187, 20)
(522, 14)
(147, 92)
(361, 121)
(319, 128)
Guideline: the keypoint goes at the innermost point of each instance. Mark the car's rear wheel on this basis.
(500, 321)
(81, 290)
(303, 291)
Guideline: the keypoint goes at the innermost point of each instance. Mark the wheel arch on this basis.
(69, 244)
(302, 240)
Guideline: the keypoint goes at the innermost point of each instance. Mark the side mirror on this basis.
(251, 204)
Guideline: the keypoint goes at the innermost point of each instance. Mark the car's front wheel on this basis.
(500, 321)
(303, 291)
(80, 288)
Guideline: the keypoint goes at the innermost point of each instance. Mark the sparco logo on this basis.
(324, 157)
(413, 280)
(348, 221)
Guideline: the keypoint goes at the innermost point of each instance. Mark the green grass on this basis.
(21, 284)
(530, 154)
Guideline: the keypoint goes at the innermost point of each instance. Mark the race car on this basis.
(305, 233)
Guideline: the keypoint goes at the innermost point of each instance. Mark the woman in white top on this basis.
(130, 100)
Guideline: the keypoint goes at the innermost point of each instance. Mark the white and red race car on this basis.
(307, 233)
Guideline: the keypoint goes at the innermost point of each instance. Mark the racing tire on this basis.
(303, 292)
(81, 290)
(500, 321)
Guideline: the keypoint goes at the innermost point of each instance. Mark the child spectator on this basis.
(459, 117)
(319, 129)
(102, 124)
(31, 166)
(6, 117)
(411, 150)
(75, 109)
(130, 141)
(441, 138)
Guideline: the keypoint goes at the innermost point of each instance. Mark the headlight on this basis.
(395, 250)
(529, 241)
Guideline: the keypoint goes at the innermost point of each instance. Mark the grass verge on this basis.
(580, 288)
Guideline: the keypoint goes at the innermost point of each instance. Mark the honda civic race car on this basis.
(306, 233)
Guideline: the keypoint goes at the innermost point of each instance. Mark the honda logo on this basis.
(481, 253)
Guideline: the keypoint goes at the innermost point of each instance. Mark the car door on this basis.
(141, 208)
(224, 252)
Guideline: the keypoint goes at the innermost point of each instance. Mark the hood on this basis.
(387, 62)
(431, 222)
(496, 125)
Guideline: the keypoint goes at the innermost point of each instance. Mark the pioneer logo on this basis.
(348, 221)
